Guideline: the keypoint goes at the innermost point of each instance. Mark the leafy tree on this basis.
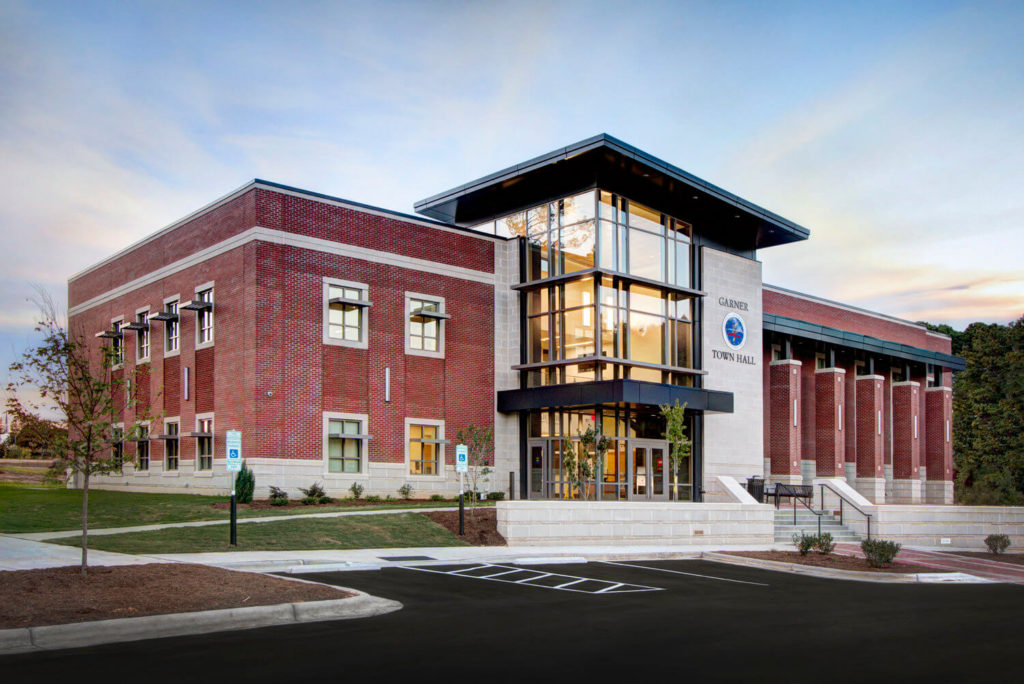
(988, 415)
(480, 447)
(582, 464)
(679, 443)
(89, 394)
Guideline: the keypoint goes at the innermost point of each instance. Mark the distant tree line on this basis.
(988, 413)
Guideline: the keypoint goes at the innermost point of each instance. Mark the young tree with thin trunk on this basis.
(679, 443)
(480, 448)
(88, 394)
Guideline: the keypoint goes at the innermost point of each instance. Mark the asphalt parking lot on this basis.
(690, 618)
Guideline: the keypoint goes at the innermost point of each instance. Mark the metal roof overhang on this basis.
(614, 392)
(845, 338)
(609, 163)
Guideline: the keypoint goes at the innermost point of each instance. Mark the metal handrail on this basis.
(843, 499)
(792, 495)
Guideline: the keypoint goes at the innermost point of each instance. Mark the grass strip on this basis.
(354, 532)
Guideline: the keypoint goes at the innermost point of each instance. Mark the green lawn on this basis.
(355, 532)
(34, 509)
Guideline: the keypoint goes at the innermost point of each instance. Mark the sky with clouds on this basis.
(894, 131)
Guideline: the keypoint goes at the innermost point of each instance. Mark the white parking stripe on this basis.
(612, 588)
(691, 574)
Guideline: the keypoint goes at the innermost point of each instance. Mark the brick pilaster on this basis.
(938, 449)
(784, 435)
(870, 459)
(829, 414)
(906, 442)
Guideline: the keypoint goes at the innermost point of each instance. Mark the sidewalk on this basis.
(25, 554)
(947, 562)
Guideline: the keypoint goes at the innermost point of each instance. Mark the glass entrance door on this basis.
(648, 470)
(538, 462)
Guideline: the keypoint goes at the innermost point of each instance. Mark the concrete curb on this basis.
(854, 575)
(75, 635)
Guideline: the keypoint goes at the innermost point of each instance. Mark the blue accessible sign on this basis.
(461, 458)
(234, 450)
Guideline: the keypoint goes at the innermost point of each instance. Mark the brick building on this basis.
(583, 289)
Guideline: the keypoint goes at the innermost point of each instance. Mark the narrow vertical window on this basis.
(171, 447)
(424, 325)
(204, 321)
(171, 327)
(204, 444)
(142, 450)
(142, 337)
(117, 343)
(117, 448)
(423, 450)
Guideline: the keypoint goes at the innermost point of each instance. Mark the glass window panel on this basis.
(429, 432)
(683, 309)
(577, 247)
(485, 227)
(538, 338)
(429, 344)
(645, 218)
(646, 299)
(512, 226)
(581, 372)
(645, 374)
(682, 344)
(415, 431)
(682, 264)
(646, 337)
(537, 256)
(606, 206)
(537, 301)
(430, 327)
(578, 208)
(579, 332)
(646, 255)
(351, 293)
(681, 230)
(607, 236)
(537, 220)
(579, 293)
(416, 326)
(351, 427)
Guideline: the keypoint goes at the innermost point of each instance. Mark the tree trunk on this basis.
(85, 523)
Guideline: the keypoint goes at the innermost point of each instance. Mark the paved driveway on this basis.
(690, 620)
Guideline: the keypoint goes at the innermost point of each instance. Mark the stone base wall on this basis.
(575, 523)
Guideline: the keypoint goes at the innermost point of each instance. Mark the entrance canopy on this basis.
(614, 392)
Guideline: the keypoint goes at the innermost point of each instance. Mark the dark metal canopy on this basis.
(614, 392)
(845, 338)
(609, 163)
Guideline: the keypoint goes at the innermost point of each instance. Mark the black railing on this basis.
(843, 500)
(797, 493)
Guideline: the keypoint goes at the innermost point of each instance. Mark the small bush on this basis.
(389, 498)
(824, 543)
(805, 542)
(357, 490)
(373, 498)
(278, 497)
(436, 497)
(997, 543)
(314, 491)
(245, 484)
(496, 496)
(405, 491)
(879, 552)
(326, 499)
(309, 501)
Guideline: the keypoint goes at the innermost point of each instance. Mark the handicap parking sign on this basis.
(234, 448)
(461, 458)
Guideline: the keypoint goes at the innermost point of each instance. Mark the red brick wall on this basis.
(829, 394)
(906, 444)
(938, 451)
(782, 304)
(783, 436)
(869, 442)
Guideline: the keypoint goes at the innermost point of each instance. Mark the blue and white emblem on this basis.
(734, 330)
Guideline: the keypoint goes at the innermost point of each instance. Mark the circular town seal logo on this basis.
(734, 330)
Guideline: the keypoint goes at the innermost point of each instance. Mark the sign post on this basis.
(461, 467)
(234, 466)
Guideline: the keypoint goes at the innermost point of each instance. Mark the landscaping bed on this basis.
(833, 561)
(54, 596)
(265, 505)
(481, 527)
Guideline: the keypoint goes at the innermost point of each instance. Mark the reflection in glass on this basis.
(646, 255)
(682, 275)
(646, 299)
(577, 246)
(646, 337)
(579, 332)
(645, 218)
(578, 208)
(579, 292)
(512, 226)
(608, 258)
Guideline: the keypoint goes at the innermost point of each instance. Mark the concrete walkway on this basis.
(24, 554)
(948, 562)
(62, 534)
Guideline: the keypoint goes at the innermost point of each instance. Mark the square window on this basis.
(344, 443)
(424, 325)
(426, 448)
(346, 309)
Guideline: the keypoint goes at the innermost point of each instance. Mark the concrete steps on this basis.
(807, 523)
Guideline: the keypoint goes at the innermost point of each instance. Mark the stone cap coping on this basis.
(870, 377)
(785, 362)
(830, 370)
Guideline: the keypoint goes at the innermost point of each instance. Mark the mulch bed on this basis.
(836, 562)
(264, 504)
(1015, 558)
(55, 596)
(481, 526)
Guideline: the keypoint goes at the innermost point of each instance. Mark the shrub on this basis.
(824, 543)
(326, 499)
(436, 497)
(278, 497)
(245, 484)
(309, 500)
(357, 490)
(997, 543)
(496, 496)
(405, 491)
(879, 552)
(805, 542)
(315, 491)
(389, 498)
(373, 498)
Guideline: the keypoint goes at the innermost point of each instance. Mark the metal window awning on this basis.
(163, 316)
(135, 325)
(197, 434)
(111, 334)
(424, 313)
(348, 435)
(430, 441)
(353, 302)
(196, 305)
(166, 437)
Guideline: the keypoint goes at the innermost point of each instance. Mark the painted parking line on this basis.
(690, 574)
(538, 579)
